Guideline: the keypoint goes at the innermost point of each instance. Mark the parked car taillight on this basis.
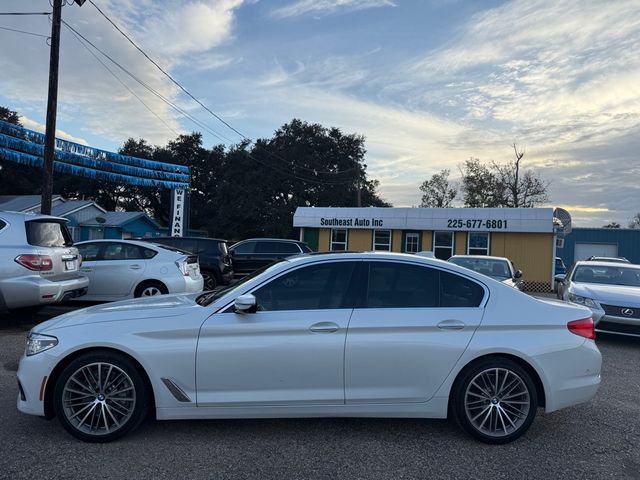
(35, 262)
(183, 267)
(583, 327)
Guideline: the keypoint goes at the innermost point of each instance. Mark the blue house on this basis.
(87, 219)
(582, 243)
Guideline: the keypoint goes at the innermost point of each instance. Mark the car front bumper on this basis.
(33, 375)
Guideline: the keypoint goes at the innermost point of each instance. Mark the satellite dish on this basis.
(565, 218)
(101, 220)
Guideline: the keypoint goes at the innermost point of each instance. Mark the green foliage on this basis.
(249, 189)
(437, 192)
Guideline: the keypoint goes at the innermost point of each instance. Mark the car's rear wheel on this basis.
(150, 289)
(100, 397)
(210, 280)
(495, 400)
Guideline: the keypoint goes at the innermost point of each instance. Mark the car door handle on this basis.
(324, 327)
(451, 325)
(135, 267)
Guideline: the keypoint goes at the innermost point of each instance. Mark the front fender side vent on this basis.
(176, 391)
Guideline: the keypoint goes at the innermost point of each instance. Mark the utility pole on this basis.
(52, 107)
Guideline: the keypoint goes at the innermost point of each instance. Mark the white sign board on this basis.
(177, 213)
(534, 220)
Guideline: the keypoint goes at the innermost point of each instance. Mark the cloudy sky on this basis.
(429, 83)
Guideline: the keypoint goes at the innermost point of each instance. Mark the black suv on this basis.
(253, 253)
(215, 261)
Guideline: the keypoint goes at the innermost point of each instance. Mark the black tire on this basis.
(210, 280)
(473, 400)
(150, 285)
(66, 404)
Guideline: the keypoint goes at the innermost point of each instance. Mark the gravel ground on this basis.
(598, 440)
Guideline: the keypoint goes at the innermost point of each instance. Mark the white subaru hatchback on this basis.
(337, 335)
(120, 269)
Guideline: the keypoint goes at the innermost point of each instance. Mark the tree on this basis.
(481, 187)
(502, 185)
(9, 116)
(635, 221)
(612, 225)
(437, 192)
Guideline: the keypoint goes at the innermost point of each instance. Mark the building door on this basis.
(586, 250)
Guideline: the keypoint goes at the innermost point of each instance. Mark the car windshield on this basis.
(209, 297)
(607, 275)
(490, 267)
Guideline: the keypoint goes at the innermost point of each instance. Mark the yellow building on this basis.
(524, 235)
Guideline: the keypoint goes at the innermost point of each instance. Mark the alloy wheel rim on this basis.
(151, 292)
(98, 398)
(497, 402)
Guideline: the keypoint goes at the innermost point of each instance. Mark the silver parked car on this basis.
(498, 268)
(610, 289)
(120, 269)
(39, 262)
(330, 335)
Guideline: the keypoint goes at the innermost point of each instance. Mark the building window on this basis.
(75, 233)
(382, 240)
(478, 243)
(338, 239)
(443, 245)
(412, 242)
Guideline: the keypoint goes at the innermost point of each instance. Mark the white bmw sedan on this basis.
(119, 269)
(349, 334)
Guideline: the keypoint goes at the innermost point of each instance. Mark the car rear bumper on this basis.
(571, 376)
(34, 290)
(185, 284)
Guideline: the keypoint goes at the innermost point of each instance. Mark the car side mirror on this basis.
(559, 278)
(518, 274)
(246, 303)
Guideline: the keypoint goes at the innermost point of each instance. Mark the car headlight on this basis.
(587, 302)
(36, 343)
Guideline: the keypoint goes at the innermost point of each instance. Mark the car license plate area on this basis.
(70, 265)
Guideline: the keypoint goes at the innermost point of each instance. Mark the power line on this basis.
(174, 81)
(24, 13)
(148, 87)
(23, 31)
(165, 72)
(124, 84)
(145, 85)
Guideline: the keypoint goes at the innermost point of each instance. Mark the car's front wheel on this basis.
(495, 400)
(100, 397)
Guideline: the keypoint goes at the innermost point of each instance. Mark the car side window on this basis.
(245, 248)
(459, 292)
(287, 248)
(89, 252)
(147, 253)
(400, 285)
(315, 287)
(121, 251)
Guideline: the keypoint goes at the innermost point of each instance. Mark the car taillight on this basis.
(37, 263)
(182, 266)
(584, 327)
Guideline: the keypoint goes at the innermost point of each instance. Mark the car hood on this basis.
(609, 294)
(135, 309)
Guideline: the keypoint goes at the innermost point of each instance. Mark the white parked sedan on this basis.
(119, 269)
(349, 334)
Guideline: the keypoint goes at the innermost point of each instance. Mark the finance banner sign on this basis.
(178, 226)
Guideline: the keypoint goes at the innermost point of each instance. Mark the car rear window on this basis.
(46, 233)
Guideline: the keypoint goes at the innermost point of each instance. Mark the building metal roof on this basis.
(117, 219)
